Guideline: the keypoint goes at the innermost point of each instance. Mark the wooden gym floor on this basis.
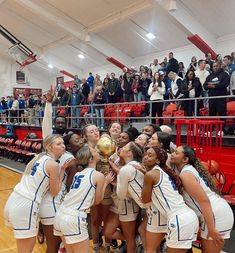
(8, 179)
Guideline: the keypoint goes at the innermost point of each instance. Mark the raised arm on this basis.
(47, 118)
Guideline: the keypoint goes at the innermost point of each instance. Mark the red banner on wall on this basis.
(26, 91)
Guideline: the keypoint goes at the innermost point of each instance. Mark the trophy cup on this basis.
(106, 147)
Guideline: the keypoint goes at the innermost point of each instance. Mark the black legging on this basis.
(157, 107)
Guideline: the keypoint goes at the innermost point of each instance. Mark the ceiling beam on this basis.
(120, 15)
(185, 20)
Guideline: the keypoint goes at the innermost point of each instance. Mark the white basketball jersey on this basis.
(58, 199)
(34, 186)
(165, 196)
(136, 183)
(82, 191)
(213, 197)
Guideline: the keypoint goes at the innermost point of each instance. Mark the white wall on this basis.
(224, 45)
(37, 77)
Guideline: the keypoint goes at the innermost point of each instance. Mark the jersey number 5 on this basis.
(76, 182)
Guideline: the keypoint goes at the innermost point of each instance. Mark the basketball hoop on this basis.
(21, 56)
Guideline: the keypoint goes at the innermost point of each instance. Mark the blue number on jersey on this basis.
(76, 182)
(34, 169)
(173, 184)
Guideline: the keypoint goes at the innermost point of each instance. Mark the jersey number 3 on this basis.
(77, 181)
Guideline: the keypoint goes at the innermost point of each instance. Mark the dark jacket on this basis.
(196, 84)
(113, 85)
(85, 89)
(127, 84)
(221, 81)
(144, 86)
(79, 99)
(99, 98)
(172, 66)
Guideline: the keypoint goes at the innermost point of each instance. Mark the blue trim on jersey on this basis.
(30, 217)
(39, 188)
(178, 229)
(44, 218)
(79, 229)
(134, 176)
(91, 179)
(194, 202)
(43, 168)
(164, 197)
(159, 220)
(133, 207)
(125, 207)
(85, 198)
(134, 191)
(160, 181)
(54, 205)
(159, 201)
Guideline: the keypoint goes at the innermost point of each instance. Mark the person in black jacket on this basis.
(191, 88)
(85, 89)
(128, 95)
(172, 64)
(216, 84)
(112, 89)
(99, 100)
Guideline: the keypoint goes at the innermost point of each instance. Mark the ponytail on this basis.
(192, 160)
(162, 157)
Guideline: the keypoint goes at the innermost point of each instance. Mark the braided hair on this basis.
(162, 157)
(192, 160)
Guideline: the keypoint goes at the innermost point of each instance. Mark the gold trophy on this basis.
(106, 147)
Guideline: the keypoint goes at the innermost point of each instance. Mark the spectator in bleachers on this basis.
(191, 88)
(181, 71)
(9, 102)
(142, 69)
(31, 110)
(156, 91)
(193, 64)
(233, 57)
(176, 85)
(126, 87)
(136, 87)
(150, 74)
(232, 83)
(209, 60)
(77, 81)
(65, 98)
(76, 98)
(155, 66)
(38, 108)
(172, 64)
(216, 84)
(230, 67)
(14, 110)
(144, 85)
(4, 109)
(162, 67)
(90, 81)
(60, 90)
(112, 89)
(99, 100)
(105, 85)
(202, 74)
(219, 59)
(22, 107)
(85, 89)
(90, 115)
(97, 82)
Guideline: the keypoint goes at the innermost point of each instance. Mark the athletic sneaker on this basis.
(114, 244)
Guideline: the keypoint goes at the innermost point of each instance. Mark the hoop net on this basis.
(21, 56)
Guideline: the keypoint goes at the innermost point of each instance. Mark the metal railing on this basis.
(77, 116)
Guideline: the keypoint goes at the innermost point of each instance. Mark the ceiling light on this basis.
(172, 5)
(81, 56)
(150, 36)
(50, 66)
